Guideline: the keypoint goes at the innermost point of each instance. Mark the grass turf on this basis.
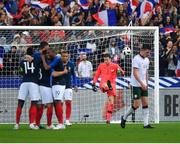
(163, 132)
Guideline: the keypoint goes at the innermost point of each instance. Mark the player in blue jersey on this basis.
(29, 87)
(68, 78)
(58, 83)
(44, 88)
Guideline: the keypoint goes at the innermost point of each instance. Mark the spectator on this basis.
(1, 57)
(3, 18)
(178, 58)
(11, 62)
(16, 40)
(85, 67)
(3, 44)
(73, 48)
(91, 45)
(172, 62)
(114, 51)
(163, 62)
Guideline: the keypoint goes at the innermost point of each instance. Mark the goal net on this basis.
(88, 106)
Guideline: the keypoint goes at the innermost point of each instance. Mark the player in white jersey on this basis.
(139, 83)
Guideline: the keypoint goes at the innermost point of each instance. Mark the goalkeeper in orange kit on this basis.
(108, 72)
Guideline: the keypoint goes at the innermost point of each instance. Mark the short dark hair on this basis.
(43, 44)
(30, 51)
(107, 55)
(64, 51)
(52, 49)
(146, 46)
(14, 47)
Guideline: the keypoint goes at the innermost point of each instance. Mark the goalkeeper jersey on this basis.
(106, 72)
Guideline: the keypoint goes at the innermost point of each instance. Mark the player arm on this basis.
(147, 77)
(45, 65)
(28, 58)
(136, 75)
(120, 71)
(59, 73)
(63, 70)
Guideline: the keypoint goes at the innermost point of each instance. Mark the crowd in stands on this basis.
(70, 13)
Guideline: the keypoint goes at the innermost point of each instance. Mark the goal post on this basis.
(88, 106)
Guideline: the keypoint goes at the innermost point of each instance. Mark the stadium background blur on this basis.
(70, 13)
(166, 15)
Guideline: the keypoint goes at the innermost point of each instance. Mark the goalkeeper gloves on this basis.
(94, 88)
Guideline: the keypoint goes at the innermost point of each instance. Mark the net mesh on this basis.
(88, 106)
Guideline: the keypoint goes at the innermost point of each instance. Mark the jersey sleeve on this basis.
(135, 63)
(148, 62)
(54, 62)
(97, 74)
(37, 55)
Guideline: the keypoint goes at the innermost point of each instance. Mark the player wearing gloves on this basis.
(108, 72)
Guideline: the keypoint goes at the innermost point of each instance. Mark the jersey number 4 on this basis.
(29, 67)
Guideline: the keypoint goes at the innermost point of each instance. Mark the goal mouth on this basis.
(93, 41)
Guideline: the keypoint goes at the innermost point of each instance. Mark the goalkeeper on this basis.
(108, 72)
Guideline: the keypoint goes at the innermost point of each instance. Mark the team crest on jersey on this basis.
(69, 68)
(135, 96)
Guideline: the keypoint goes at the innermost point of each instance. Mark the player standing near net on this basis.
(139, 83)
(29, 86)
(58, 83)
(108, 72)
(68, 77)
(44, 88)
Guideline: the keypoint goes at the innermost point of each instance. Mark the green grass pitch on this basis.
(163, 132)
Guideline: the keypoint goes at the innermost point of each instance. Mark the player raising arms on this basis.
(108, 72)
(139, 83)
(29, 86)
(58, 83)
(68, 91)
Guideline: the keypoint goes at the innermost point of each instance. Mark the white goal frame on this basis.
(156, 48)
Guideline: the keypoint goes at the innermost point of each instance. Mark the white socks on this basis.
(145, 111)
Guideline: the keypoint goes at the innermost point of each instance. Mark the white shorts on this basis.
(46, 94)
(58, 92)
(29, 89)
(68, 94)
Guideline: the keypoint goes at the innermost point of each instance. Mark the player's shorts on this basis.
(58, 92)
(138, 92)
(46, 94)
(68, 94)
(29, 89)
(109, 92)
